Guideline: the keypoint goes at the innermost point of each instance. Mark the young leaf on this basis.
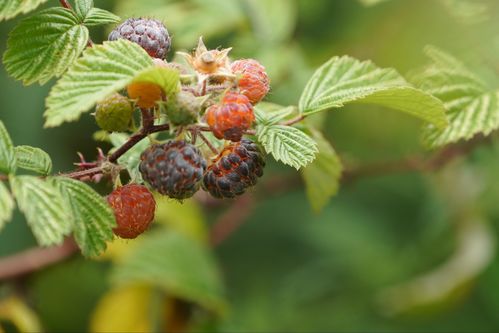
(287, 144)
(97, 16)
(167, 78)
(7, 157)
(82, 7)
(473, 107)
(6, 205)
(33, 159)
(102, 70)
(92, 218)
(44, 45)
(177, 264)
(323, 174)
(43, 205)
(345, 80)
(12, 8)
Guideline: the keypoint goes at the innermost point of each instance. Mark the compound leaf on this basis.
(44, 45)
(33, 159)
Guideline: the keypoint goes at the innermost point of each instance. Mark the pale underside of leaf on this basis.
(33, 159)
(167, 78)
(12, 8)
(7, 156)
(44, 45)
(287, 144)
(345, 80)
(92, 218)
(6, 205)
(102, 70)
(322, 176)
(43, 206)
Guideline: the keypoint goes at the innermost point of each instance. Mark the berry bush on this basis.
(182, 123)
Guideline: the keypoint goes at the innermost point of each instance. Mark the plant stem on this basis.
(66, 4)
(208, 143)
(293, 121)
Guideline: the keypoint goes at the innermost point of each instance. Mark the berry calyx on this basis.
(183, 108)
(146, 94)
(114, 114)
(234, 170)
(173, 169)
(209, 62)
(133, 207)
(150, 34)
(253, 81)
(231, 117)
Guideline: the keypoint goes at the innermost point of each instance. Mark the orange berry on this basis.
(146, 94)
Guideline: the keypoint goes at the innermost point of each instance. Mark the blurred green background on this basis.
(404, 252)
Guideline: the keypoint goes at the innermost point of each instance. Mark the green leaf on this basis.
(97, 16)
(322, 176)
(102, 70)
(345, 80)
(43, 205)
(473, 108)
(12, 8)
(82, 7)
(287, 144)
(270, 113)
(44, 45)
(6, 205)
(167, 78)
(176, 263)
(7, 157)
(33, 159)
(92, 218)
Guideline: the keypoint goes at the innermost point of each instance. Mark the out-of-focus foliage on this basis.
(399, 252)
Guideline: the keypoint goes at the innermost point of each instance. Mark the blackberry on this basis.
(133, 207)
(235, 169)
(150, 34)
(173, 169)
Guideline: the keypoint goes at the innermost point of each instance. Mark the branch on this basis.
(293, 121)
(35, 259)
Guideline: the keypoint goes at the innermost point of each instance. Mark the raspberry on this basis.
(146, 94)
(183, 109)
(231, 117)
(173, 169)
(134, 208)
(236, 168)
(253, 81)
(114, 113)
(150, 34)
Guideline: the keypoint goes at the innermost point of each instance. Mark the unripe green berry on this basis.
(114, 114)
(183, 108)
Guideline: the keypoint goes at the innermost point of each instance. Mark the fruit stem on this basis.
(293, 121)
(208, 143)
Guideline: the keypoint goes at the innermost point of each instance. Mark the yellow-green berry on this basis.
(183, 108)
(114, 114)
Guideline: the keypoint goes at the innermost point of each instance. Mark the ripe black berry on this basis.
(148, 33)
(173, 169)
(236, 168)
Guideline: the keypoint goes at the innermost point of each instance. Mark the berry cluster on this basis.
(216, 95)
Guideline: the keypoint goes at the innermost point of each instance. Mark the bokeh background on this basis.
(399, 252)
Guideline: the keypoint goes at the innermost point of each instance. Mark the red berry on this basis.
(134, 208)
(229, 119)
(150, 34)
(253, 81)
(236, 168)
(173, 169)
